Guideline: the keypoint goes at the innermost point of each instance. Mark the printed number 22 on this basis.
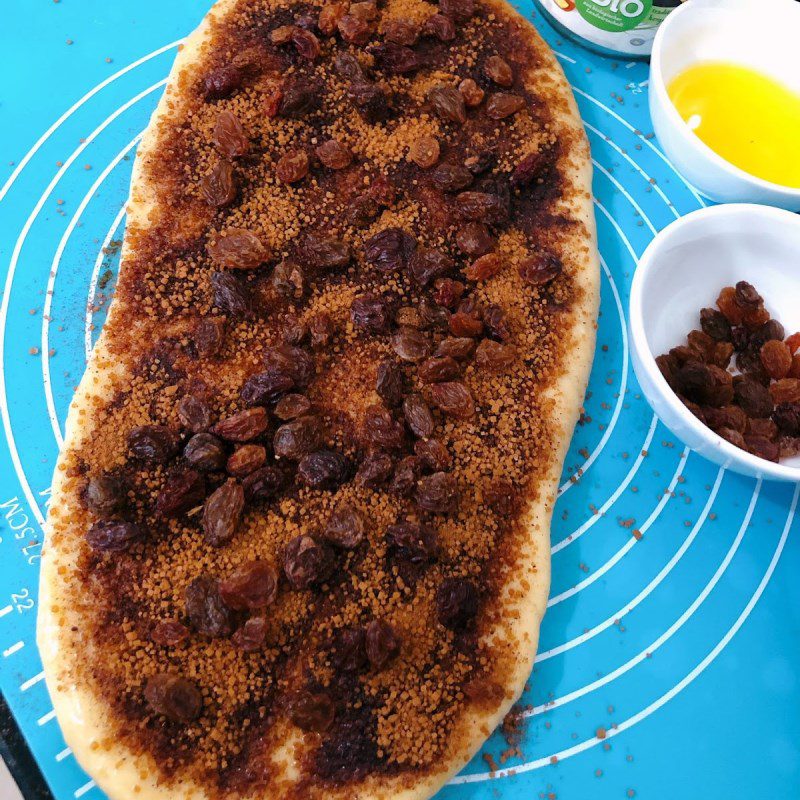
(22, 601)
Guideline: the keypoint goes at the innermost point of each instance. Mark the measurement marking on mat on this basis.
(46, 718)
(31, 682)
(63, 754)
(83, 789)
(13, 649)
(6, 610)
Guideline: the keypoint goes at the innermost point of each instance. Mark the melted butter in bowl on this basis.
(743, 115)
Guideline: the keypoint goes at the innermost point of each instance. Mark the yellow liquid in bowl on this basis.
(748, 118)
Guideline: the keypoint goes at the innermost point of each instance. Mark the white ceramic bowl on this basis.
(682, 271)
(763, 34)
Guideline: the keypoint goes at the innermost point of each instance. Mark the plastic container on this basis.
(622, 28)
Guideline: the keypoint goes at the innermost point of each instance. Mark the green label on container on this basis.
(614, 15)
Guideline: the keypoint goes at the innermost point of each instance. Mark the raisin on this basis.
(793, 343)
(207, 613)
(312, 712)
(451, 177)
(243, 426)
(480, 162)
(438, 369)
(194, 413)
(503, 104)
(405, 476)
(786, 390)
(373, 105)
(721, 357)
(482, 207)
(441, 27)
(371, 313)
(348, 67)
(252, 585)
(731, 310)
(411, 344)
(105, 495)
(424, 151)
(705, 384)
(252, 636)
(498, 70)
(448, 292)
(209, 336)
(532, 168)
(448, 103)
(238, 249)
(734, 437)
(218, 186)
(731, 417)
(484, 267)
(324, 252)
(418, 416)
(329, 17)
(334, 154)
(348, 651)
(474, 239)
(459, 10)
(229, 136)
(298, 438)
(432, 454)
(222, 82)
(433, 316)
(541, 270)
(292, 166)
(453, 398)
(794, 372)
(292, 361)
(169, 633)
(345, 527)
(437, 493)
(776, 358)
(494, 356)
(264, 387)
(456, 603)
(755, 318)
(501, 497)
(291, 406)
(771, 329)
(702, 344)
(271, 104)
(494, 319)
(787, 418)
(324, 469)
(155, 443)
(183, 490)
(395, 59)
(762, 447)
(173, 697)
(375, 470)
(263, 484)
(465, 325)
(459, 348)
(222, 513)
(113, 536)
(753, 398)
(281, 35)
(472, 93)
(380, 429)
(288, 279)
(746, 295)
(668, 366)
(762, 427)
(293, 329)
(354, 30)
(389, 249)
(382, 643)
(391, 383)
(205, 452)
(300, 97)
(715, 324)
(429, 263)
(306, 44)
(307, 562)
(246, 459)
(231, 295)
(408, 541)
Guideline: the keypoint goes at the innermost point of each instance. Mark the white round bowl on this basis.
(683, 270)
(763, 34)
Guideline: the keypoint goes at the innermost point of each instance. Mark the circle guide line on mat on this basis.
(51, 280)
(667, 696)
(665, 570)
(74, 107)
(664, 637)
(87, 327)
(629, 545)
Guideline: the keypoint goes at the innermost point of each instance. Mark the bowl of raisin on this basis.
(715, 335)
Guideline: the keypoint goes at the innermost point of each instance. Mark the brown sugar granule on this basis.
(311, 226)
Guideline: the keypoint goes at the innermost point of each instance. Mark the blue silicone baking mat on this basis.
(669, 661)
